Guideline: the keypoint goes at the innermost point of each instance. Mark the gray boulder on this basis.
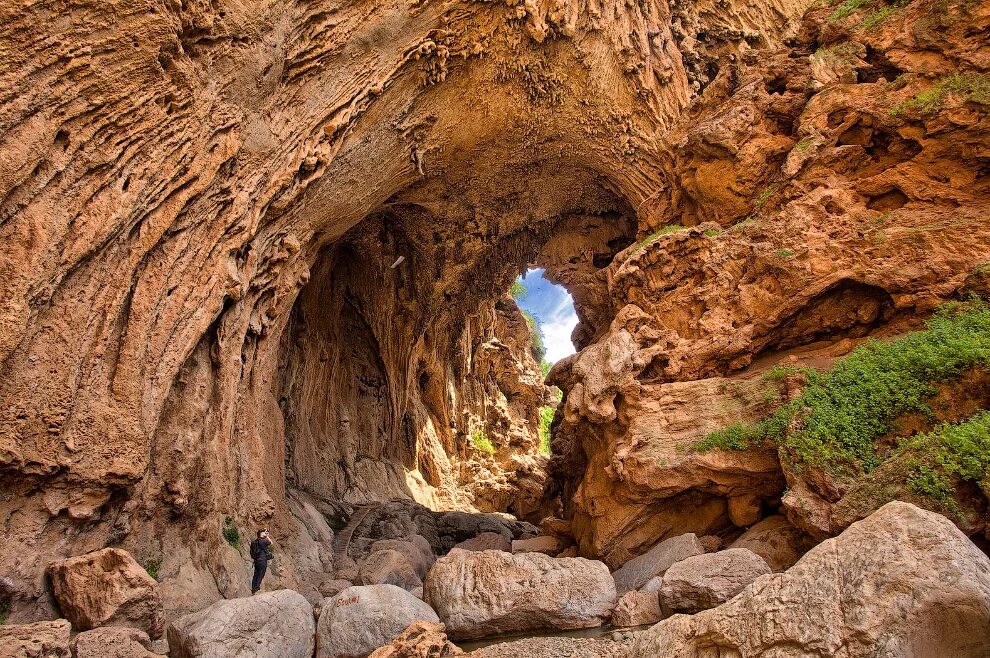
(638, 571)
(363, 618)
(776, 541)
(271, 625)
(484, 593)
(705, 581)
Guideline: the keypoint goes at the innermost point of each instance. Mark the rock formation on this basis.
(903, 582)
(255, 261)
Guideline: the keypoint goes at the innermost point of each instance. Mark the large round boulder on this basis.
(904, 582)
(108, 588)
(271, 625)
(363, 618)
(776, 541)
(481, 593)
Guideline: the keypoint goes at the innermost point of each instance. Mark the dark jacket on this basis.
(261, 550)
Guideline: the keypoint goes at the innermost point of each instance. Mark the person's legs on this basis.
(259, 573)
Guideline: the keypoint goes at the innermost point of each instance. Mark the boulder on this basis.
(333, 586)
(653, 585)
(361, 619)
(655, 562)
(108, 588)
(636, 609)
(112, 642)
(711, 543)
(275, 624)
(486, 541)
(416, 549)
(389, 567)
(904, 582)
(744, 510)
(423, 639)
(477, 594)
(705, 581)
(44, 639)
(776, 541)
(545, 544)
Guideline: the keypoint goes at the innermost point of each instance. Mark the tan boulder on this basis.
(744, 510)
(416, 549)
(275, 624)
(546, 544)
(705, 581)
(112, 642)
(486, 541)
(361, 619)
(638, 571)
(389, 567)
(43, 639)
(423, 639)
(776, 541)
(904, 582)
(477, 594)
(108, 588)
(636, 609)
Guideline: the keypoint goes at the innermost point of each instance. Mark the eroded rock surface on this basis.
(43, 639)
(108, 588)
(902, 582)
(705, 581)
(477, 594)
(423, 639)
(267, 625)
(111, 642)
(637, 572)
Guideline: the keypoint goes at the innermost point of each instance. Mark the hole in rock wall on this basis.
(550, 309)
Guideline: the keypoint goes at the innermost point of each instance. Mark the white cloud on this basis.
(557, 330)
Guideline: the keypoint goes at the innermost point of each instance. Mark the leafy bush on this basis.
(952, 450)
(230, 533)
(482, 443)
(545, 368)
(154, 564)
(546, 417)
(518, 290)
(845, 9)
(840, 414)
(783, 253)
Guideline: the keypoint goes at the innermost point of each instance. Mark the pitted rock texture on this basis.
(43, 639)
(902, 582)
(108, 588)
(423, 639)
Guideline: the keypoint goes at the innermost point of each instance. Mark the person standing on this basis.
(261, 553)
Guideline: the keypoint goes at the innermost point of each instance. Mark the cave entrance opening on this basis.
(549, 309)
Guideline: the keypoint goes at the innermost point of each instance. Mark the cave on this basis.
(257, 274)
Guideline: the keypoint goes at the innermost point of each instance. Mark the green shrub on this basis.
(712, 232)
(518, 290)
(546, 417)
(154, 564)
(783, 253)
(4, 612)
(952, 450)
(545, 368)
(230, 533)
(840, 414)
(973, 87)
(653, 237)
(845, 9)
(482, 443)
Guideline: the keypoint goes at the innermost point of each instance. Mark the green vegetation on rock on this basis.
(518, 290)
(482, 442)
(950, 451)
(230, 533)
(536, 336)
(546, 417)
(840, 414)
(973, 87)
(154, 564)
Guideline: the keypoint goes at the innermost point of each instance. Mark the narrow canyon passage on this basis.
(259, 269)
